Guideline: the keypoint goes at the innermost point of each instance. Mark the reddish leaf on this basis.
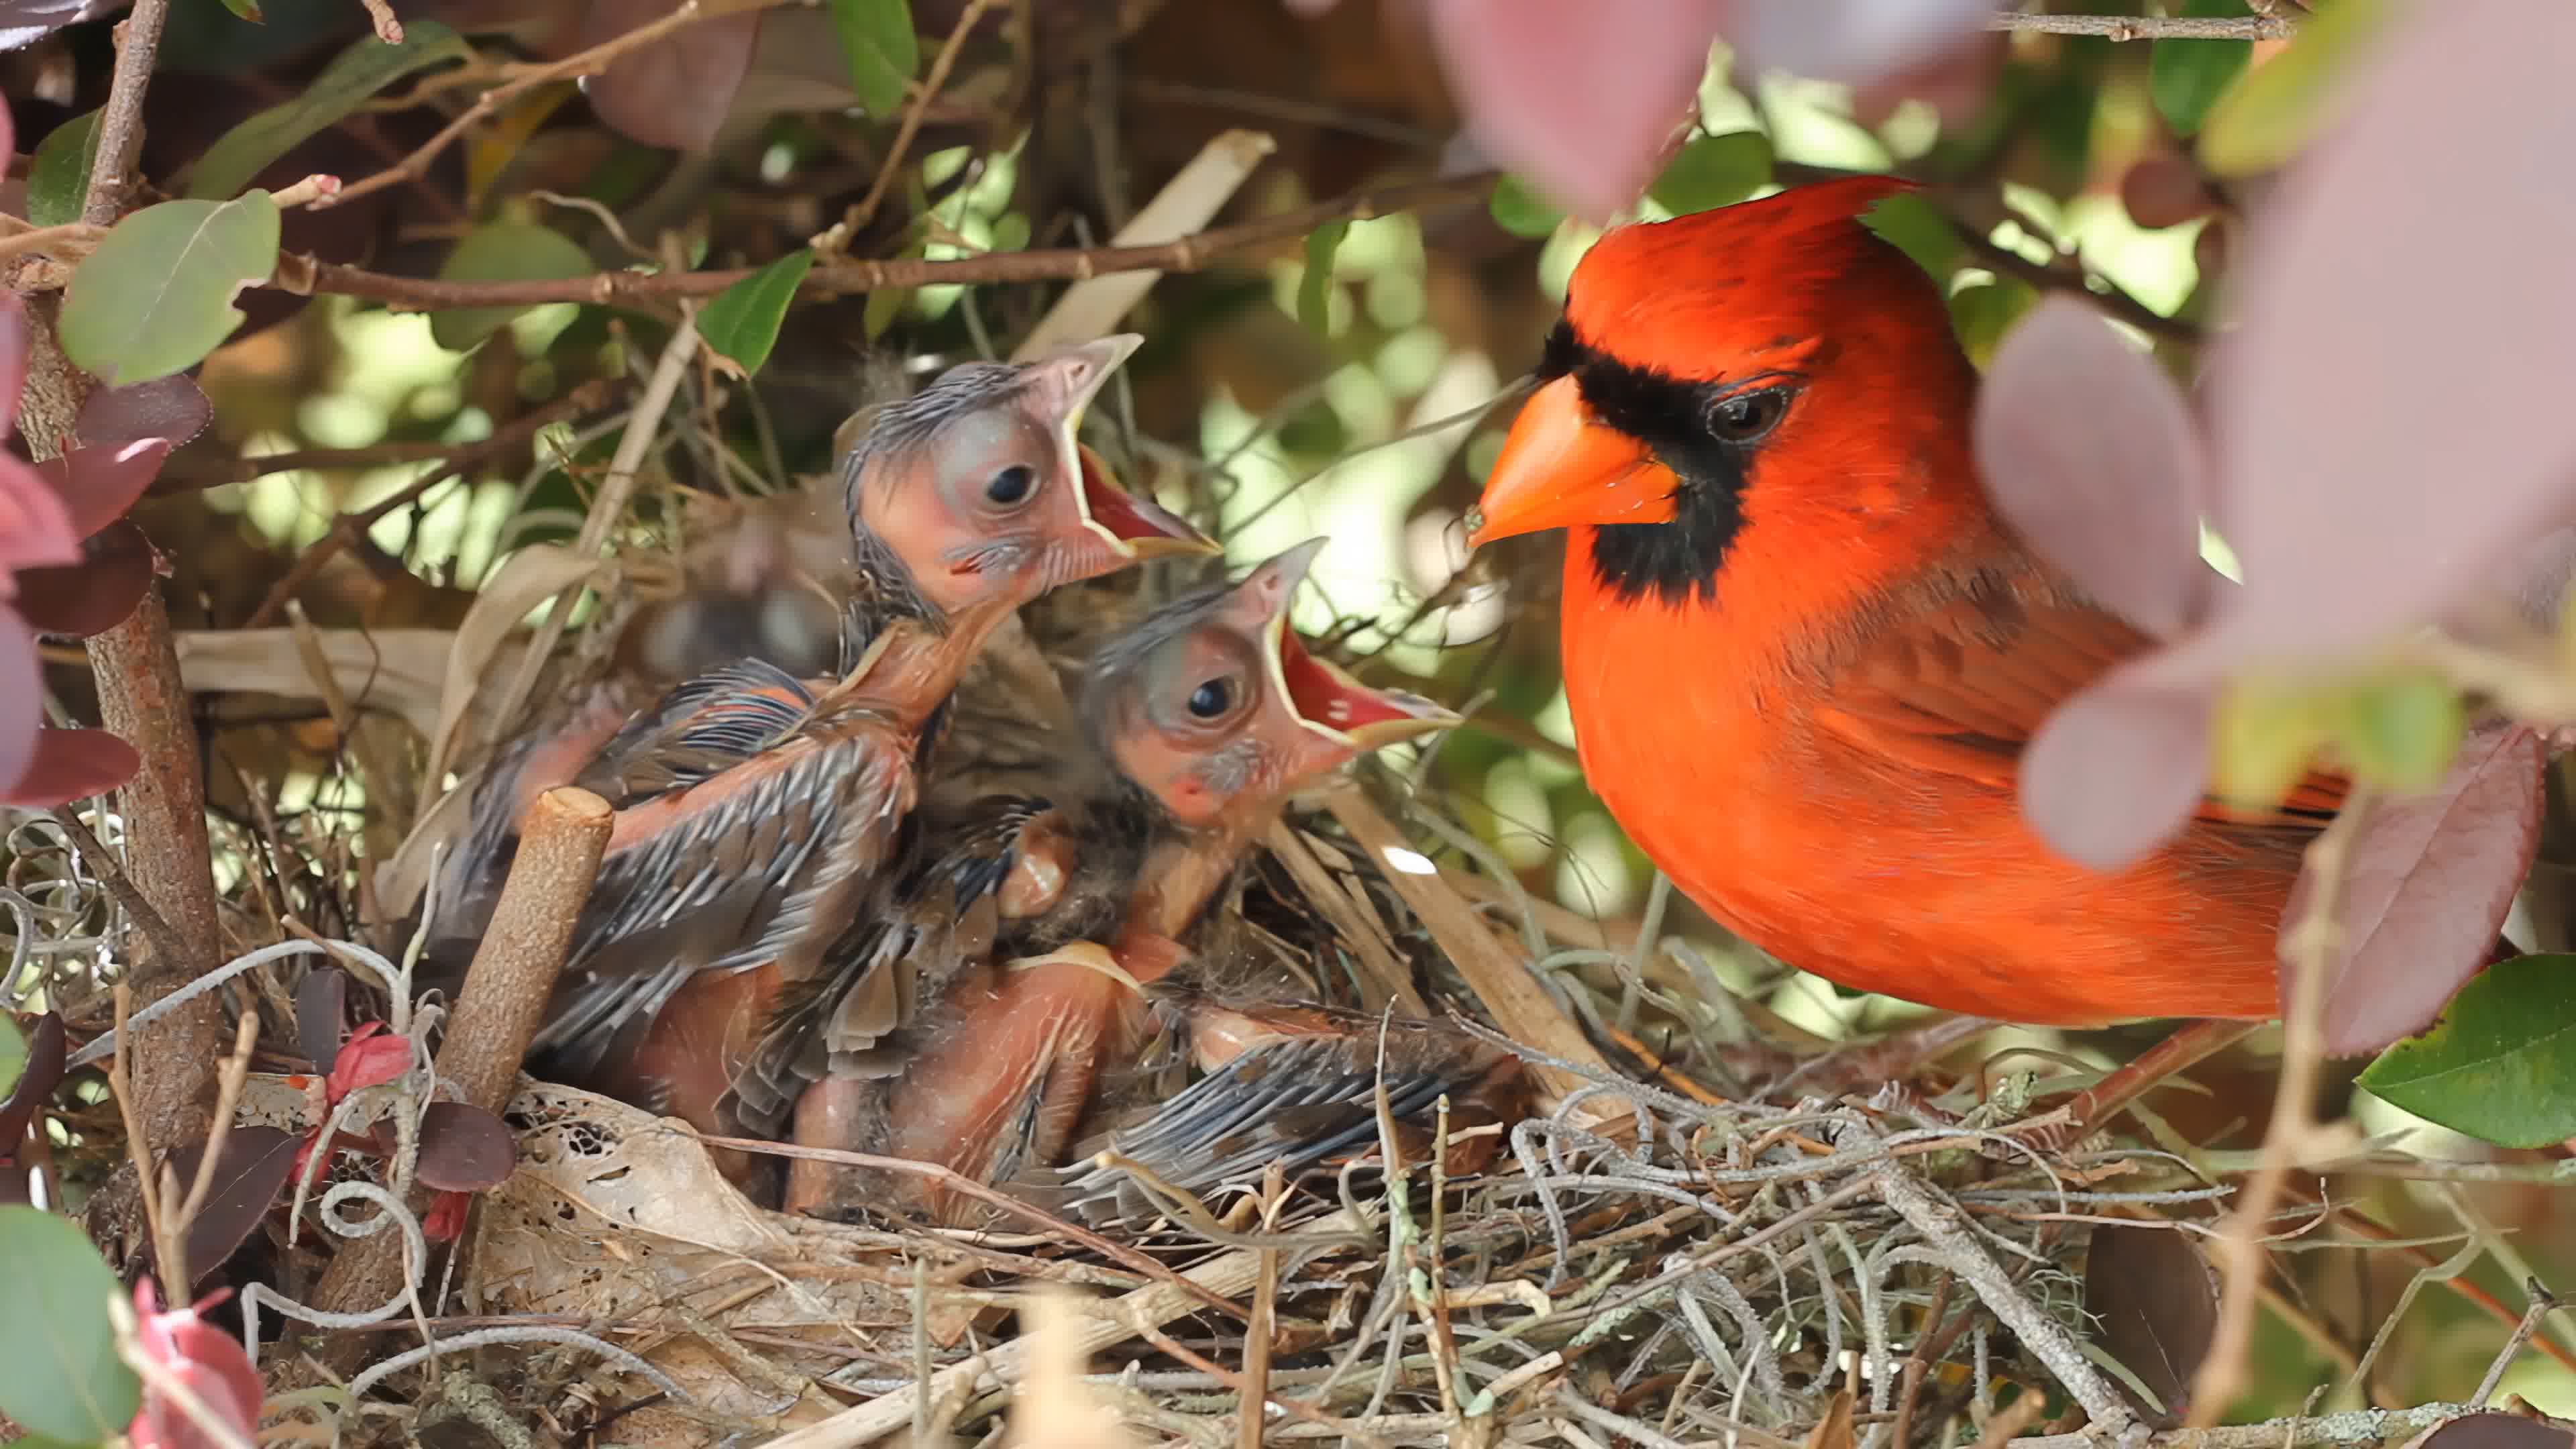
(70, 765)
(321, 1006)
(98, 484)
(209, 1362)
(36, 1081)
(2155, 1304)
(2426, 890)
(173, 408)
(13, 342)
(21, 693)
(2117, 768)
(2356, 516)
(1578, 98)
(35, 527)
(372, 1057)
(677, 91)
(2087, 450)
(464, 1148)
(1853, 41)
(256, 1164)
(94, 595)
(445, 1220)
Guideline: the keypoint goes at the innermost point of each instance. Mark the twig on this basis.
(120, 121)
(588, 397)
(2543, 1303)
(2149, 27)
(503, 999)
(165, 941)
(2309, 944)
(138, 1149)
(305, 274)
(607, 506)
(389, 28)
(581, 63)
(2076, 282)
(2359, 1426)
(931, 83)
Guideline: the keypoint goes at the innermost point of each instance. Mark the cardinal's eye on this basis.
(1212, 699)
(1011, 485)
(1745, 416)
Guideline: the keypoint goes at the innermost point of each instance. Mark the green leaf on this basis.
(59, 1373)
(1714, 171)
(58, 178)
(1521, 211)
(2187, 76)
(2274, 108)
(2262, 736)
(13, 1055)
(742, 321)
(502, 251)
(1983, 313)
(878, 40)
(246, 9)
(1314, 290)
(365, 68)
(2402, 731)
(1917, 228)
(157, 295)
(2501, 1063)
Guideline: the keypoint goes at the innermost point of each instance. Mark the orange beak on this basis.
(1560, 467)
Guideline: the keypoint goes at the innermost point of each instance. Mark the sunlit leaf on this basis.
(59, 1373)
(502, 251)
(352, 77)
(1519, 210)
(741, 322)
(247, 9)
(2501, 1064)
(2272, 109)
(878, 40)
(2402, 730)
(1714, 171)
(1984, 311)
(2187, 76)
(1314, 289)
(13, 1061)
(157, 294)
(58, 177)
(1917, 228)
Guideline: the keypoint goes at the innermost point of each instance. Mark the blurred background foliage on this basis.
(1343, 384)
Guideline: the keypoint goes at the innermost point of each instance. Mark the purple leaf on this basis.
(2356, 515)
(2117, 769)
(72, 765)
(42, 1072)
(21, 693)
(2425, 891)
(464, 1148)
(94, 595)
(172, 408)
(13, 344)
(1851, 42)
(98, 484)
(2088, 452)
(1578, 98)
(676, 91)
(35, 527)
(2155, 1304)
(321, 1009)
(249, 1176)
(2495, 1430)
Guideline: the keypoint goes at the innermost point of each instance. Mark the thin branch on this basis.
(912, 115)
(120, 121)
(304, 274)
(2150, 27)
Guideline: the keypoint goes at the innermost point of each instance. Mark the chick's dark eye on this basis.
(1746, 416)
(1011, 485)
(1212, 698)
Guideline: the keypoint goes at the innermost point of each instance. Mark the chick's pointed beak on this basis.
(1136, 528)
(1325, 700)
(1560, 467)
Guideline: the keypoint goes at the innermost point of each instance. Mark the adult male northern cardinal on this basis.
(754, 808)
(1803, 654)
(1032, 946)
